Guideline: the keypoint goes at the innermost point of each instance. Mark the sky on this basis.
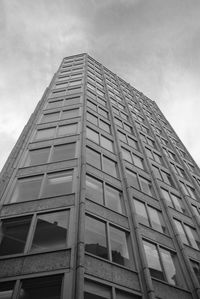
(152, 44)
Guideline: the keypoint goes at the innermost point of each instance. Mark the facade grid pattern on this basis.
(99, 197)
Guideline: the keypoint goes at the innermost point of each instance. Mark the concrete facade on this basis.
(99, 197)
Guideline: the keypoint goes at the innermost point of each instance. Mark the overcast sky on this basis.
(152, 44)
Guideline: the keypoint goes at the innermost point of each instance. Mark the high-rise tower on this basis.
(99, 197)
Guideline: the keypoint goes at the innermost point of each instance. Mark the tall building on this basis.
(99, 197)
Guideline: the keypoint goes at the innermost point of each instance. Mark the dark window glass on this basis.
(93, 157)
(13, 235)
(63, 152)
(6, 289)
(196, 269)
(95, 290)
(67, 129)
(50, 117)
(26, 189)
(110, 166)
(37, 156)
(58, 183)
(119, 247)
(70, 113)
(153, 260)
(41, 288)
(124, 295)
(45, 133)
(94, 189)
(113, 198)
(51, 231)
(95, 237)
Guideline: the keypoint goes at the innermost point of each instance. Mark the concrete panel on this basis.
(111, 273)
(37, 205)
(10, 267)
(46, 262)
(165, 291)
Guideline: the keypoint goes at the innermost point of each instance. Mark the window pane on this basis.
(119, 248)
(54, 104)
(106, 143)
(170, 270)
(94, 189)
(92, 135)
(63, 152)
(192, 235)
(146, 186)
(122, 137)
(110, 166)
(153, 260)
(50, 117)
(70, 113)
(141, 212)
(167, 197)
(51, 231)
(95, 290)
(196, 269)
(41, 288)
(113, 199)
(95, 237)
(93, 157)
(67, 129)
(157, 173)
(132, 143)
(58, 183)
(132, 179)
(181, 232)
(126, 155)
(124, 295)
(6, 289)
(93, 119)
(138, 161)
(13, 235)
(157, 221)
(45, 133)
(104, 126)
(177, 203)
(26, 189)
(167, 178)
(38, 156)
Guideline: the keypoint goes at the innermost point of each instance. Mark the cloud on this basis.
(154, 45)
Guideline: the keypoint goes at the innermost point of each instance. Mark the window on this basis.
(177, 170)
(54, 104)
(48, 231)
(110, 166)
(6, 289)
(161, 263)
(48, 117)
(51, 231)
(37, 156)
(14, 232)
(66, 114)
(41, 288)
(154, 156)
(106, 143)
(69, 129)
(96, 241)
(162, 175)
(150, 216)
(93, 157)
(188, 190)
(173, 200)
(103, 194)
(63, 152)
(95, 290)
(104, 126)
(58, 183)
(147, 140)
(92, 135)
(139, 182)
(127, 139)
(45, 133)
(132, 158)
(94, 189)
(188, 234)
(196, 269)
(91, 118)
(196, 211)
(26, 189)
